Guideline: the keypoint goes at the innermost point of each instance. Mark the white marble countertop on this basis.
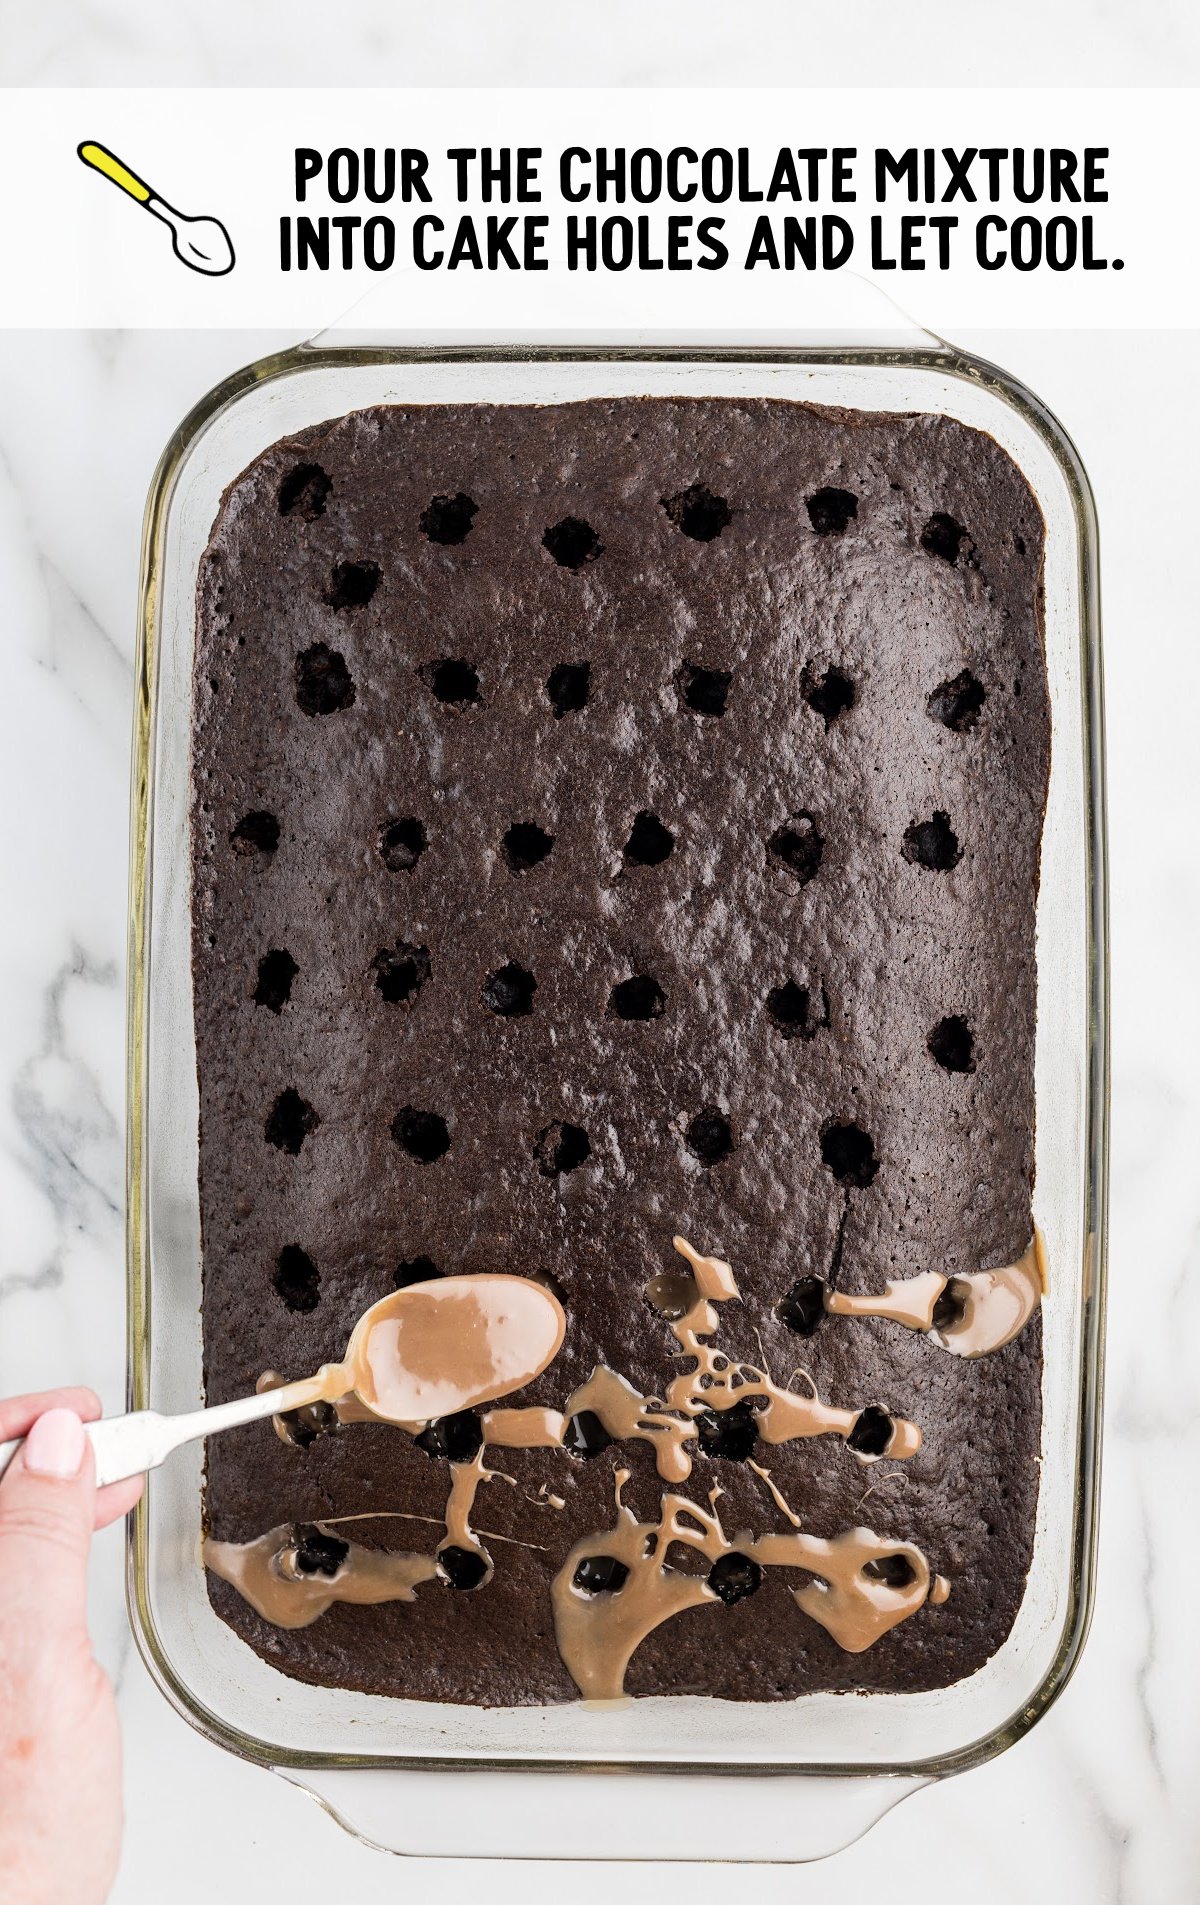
(549, 43)
(1099, 1801)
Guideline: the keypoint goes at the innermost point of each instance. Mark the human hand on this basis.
(60, 1747)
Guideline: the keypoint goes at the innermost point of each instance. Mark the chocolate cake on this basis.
(616, 821)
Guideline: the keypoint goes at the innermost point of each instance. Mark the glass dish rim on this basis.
(948, 361)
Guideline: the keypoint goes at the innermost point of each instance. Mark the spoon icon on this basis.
(428, 1350)
(200, 243)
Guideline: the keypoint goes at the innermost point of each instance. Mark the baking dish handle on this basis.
(754, 1819)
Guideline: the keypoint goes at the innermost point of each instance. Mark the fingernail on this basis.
(54, 1445)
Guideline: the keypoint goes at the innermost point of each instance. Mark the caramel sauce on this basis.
(997, 1305)
(466, 1479)
(599, 1633)
(436, 1349)
(523, 1428)
(264, 1574)
(911, 1301)
(993, 1306)
(716, 1383)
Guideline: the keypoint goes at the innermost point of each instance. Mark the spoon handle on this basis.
(108, 163)
(131, 1444)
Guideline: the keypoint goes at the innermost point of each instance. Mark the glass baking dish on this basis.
(462, 1780)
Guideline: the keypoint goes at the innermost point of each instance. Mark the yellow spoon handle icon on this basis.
(203, 244)
(108, 163)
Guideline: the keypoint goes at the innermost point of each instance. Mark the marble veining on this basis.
(72, 1137)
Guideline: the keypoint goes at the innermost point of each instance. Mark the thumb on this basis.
(47, 1503)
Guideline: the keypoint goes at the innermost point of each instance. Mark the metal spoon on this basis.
(203, 244)
(427, 1350)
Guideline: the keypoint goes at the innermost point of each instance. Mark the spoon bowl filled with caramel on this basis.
(428, 1350)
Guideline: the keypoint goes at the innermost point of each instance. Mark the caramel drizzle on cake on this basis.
(971, 1315)
(271, 1575)
(615, 1587)
(714, 1383)
(291, 1575)
(862, 1585)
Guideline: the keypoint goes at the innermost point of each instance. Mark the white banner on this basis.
(489, 211)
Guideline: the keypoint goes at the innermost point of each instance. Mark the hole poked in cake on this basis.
(799, 846)
(586, 1436)
(304, 492)
(872, 1431)
(352, 584)
(316, 1552)
(709, 1136)
(793, 1011)
(671, 1294)
(572, 542)
(256, 832)
(703, 690)
(568, 686)
(734, 1577)
(952, 1044)
(424, 1135)
(600, 1574)
(290, 1120)
(848, 1152)
(414, 1270)
(951, 1305)
(456, 1438)
(727, 1435)
(637, 999)
(462, 1568)
(401, 843)
(561, 1148)
(296, 1279)
(945, 538)
(894, 1570)
(680, 1557)
(453, 682)
(957, 703)
(323, 681)
(802, 1310)
(400, 972)
(831, 509)
(932, 843)
(828, 695)
(525, 845)
(508, 992)
(548, 1281)
(303, 1427)
(276, 972)
(698, 513)
(447, 519)
(649, 842)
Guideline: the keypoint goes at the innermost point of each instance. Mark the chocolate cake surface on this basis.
(613, 820)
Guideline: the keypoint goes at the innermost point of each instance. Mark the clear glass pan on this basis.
(216, 1681)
